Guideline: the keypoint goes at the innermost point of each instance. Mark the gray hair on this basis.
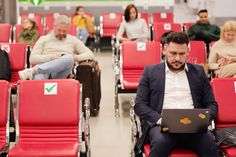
(62, 19)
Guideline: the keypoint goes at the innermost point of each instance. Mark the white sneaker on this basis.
(26, 74)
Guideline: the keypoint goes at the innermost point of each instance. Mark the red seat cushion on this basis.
(45, 150)
(231, 152)
(174, 153)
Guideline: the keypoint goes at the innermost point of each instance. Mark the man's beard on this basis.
(172, 68)
(60, 37)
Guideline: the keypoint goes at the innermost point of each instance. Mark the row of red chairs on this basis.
(6, 29)
(224, 91)
(49, 119)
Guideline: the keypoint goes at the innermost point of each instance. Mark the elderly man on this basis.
(55, 53)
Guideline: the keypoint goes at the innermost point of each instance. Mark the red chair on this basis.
(224, 91)
(109, 23)
(5, 29)
(37, 17)
(49, 20)
(52, 125)
(134, 57)
(145, 16)
(18, 28)
(162, 17)
(4, 117)
(17, 56)
(197, 52)
(160, 28)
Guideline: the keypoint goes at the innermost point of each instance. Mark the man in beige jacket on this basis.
(55, 53)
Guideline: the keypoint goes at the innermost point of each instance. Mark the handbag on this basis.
(226, 137)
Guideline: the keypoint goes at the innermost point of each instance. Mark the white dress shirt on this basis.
(177, 91)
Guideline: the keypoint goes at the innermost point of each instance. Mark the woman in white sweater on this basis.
(134, 27)
(222, 57)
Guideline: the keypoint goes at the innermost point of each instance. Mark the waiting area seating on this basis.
(50, 121)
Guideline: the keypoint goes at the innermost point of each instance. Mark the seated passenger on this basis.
(222, 57)
(178, 85)
(55, 53)
(134, 27)
(29, 33)
(84, 23)
(203, 30)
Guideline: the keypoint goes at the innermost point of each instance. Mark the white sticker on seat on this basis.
(50, 88)
(141, 46)
(6, 47)
(163, 15)
(167, 26)
(31, 15)
(112, 15)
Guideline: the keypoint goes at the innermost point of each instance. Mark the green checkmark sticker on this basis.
(141, 46)
(50, 88)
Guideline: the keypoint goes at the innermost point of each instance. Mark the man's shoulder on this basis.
(195, 68)
(155, 67)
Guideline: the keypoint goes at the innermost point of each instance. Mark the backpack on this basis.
(5, 66)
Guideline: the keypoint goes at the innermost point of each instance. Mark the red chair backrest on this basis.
(160, 28)
(51, 107)
(225, 93)
(17, 56)
(197, 52)
(5, 30)
(4, 107)
(137, 55)
(109, 23)
(37, 17)
(162, 17)
(18, 28)
(72, 30)
(145, 17)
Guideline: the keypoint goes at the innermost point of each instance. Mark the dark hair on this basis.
(127, 12)
(177, 37)
(31, 21)
(77, 9)
(202, 11)
(163, 37)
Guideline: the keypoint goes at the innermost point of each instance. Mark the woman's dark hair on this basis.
(177, 37)
(127, 12)
(77, 9)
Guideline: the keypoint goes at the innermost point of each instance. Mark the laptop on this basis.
(185, 120)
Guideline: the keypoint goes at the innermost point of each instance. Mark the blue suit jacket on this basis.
(150, 93)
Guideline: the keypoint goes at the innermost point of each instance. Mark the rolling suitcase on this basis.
(89, 74)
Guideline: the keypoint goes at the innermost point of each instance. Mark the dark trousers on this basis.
(161, 144)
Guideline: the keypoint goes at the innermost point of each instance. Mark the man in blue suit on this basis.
(174, 84)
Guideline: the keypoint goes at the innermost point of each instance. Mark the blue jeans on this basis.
(56, 69)
(84, 34)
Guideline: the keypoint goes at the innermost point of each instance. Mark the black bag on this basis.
(5, 66)
(226, 136)
(89, 74)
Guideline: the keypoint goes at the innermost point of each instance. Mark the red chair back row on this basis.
(5, 29)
